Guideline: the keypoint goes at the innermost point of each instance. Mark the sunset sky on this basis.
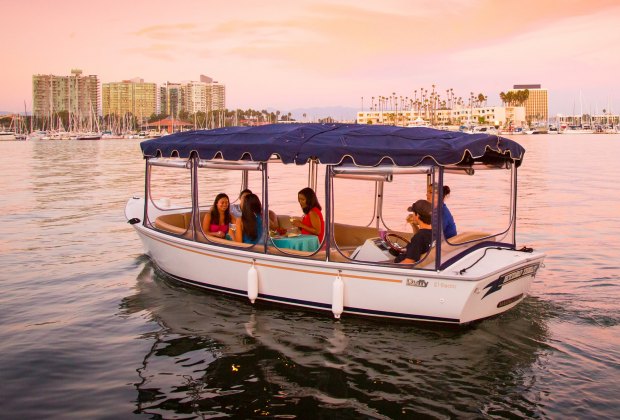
(304, 53)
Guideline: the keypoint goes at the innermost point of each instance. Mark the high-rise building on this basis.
(216, 94)
(194, 96)
(77, 94)
(204, 96)
(133, 97)
(170, 99)
(537, 104)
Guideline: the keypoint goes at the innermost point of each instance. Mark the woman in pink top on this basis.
(312, 223)
(217, 220)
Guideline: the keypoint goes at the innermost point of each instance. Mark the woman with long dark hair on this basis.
(249, 227)
(217, 220)
(312, 223)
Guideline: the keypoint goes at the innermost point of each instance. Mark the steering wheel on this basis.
(395, 242)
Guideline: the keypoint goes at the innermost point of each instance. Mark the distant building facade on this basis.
(76, 94)
(216, 94)
(489, 115)
(194, 97)
(170, 99)
(204, 96)
(537, 104)
(133, 97)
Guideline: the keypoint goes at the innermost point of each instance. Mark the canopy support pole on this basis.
(378, 204)
(313, 172)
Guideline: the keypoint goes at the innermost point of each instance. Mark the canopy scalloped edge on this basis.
(363, 145)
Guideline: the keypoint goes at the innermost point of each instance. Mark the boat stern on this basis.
(502, 291)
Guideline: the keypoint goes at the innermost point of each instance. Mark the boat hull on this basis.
(464, 292)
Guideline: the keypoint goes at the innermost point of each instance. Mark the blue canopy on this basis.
(363, 145)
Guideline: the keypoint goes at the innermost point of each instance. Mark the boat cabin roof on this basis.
(334, 144)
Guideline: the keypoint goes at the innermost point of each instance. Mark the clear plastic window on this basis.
(170, 197)
(284, 205)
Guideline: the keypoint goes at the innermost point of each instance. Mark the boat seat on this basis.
(321, 255)
(216, 240)
(176, 223)
(460, 242)
(348, 237)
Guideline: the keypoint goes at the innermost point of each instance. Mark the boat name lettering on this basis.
(525, 271)
(504, 279)
(443, 285)
(417, 283)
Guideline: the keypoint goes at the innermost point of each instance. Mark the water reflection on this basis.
(211, 348)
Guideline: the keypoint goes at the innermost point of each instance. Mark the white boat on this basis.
(488, 129)
(37, 135)
(577, 129)
(472, 276)
(419, 122)
(109, 135)
(7, 135)
(485, 129)
(513, 131)
(606, 129)
(91, 135)
(57, 135)
(536, 130)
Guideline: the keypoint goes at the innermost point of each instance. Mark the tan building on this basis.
(537, 104)
(216, 94)
(77, 94)
(133, 97)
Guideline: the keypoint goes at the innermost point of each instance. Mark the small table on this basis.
(309, 243)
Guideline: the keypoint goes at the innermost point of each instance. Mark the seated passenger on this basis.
(447, 221)
(312, 223)
(249, 227)
(217, 220)
(421, 242)
(235, 209)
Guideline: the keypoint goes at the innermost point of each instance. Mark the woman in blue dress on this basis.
(249, 227)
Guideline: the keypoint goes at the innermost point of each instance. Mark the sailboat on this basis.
(13, 132)
(581, 128)
(93, 132)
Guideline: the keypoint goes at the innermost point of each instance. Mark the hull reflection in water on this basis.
(216, 356)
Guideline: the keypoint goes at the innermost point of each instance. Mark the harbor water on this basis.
(90, 329)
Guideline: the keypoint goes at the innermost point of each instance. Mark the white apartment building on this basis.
(216, 94)
(194, 97)
(204, 96)
(491, 115)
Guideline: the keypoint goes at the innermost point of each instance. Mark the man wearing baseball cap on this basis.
(421, 242)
